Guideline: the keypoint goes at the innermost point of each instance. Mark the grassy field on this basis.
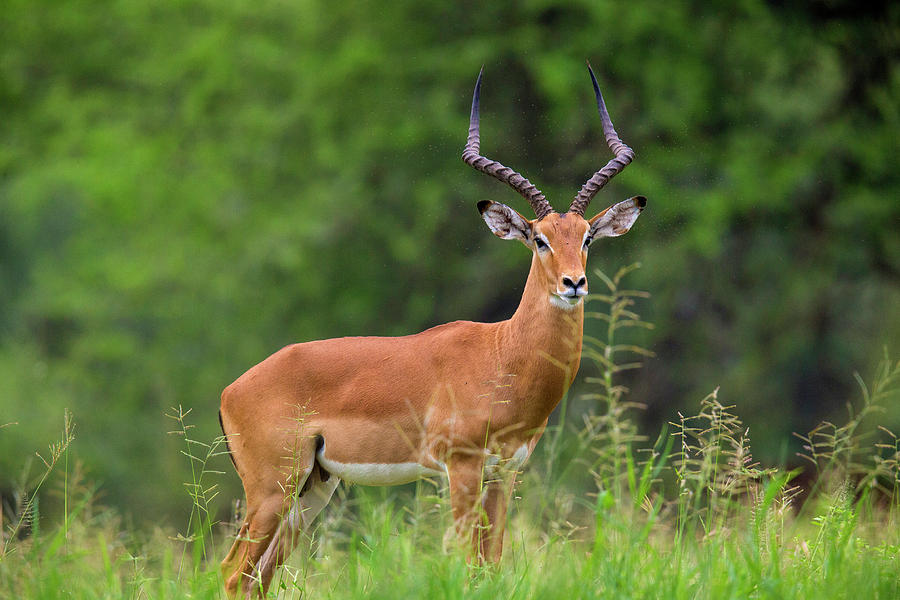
(599, 512)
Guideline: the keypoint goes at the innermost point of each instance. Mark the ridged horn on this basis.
(624, 155)
(513, 179)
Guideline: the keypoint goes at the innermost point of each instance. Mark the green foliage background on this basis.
(185, 187)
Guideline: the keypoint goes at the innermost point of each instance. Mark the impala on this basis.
(464, 399)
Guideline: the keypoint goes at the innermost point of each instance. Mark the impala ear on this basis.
(505, 222)
(618, 218)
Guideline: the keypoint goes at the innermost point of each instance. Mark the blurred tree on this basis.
(186, 187)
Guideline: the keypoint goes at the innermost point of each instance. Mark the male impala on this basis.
(460, 399)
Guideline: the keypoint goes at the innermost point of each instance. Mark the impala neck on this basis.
(545, 335)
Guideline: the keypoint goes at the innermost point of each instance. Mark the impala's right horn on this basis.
(472, 157)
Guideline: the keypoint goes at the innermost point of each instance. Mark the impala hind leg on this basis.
(270, 494)
(271, 530)
(316, 494)
(239, 567)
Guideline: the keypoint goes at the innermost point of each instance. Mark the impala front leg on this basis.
(497, 492)
(479, 500)
(466, 473)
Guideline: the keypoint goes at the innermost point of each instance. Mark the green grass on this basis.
(599, 512)
(391, 545)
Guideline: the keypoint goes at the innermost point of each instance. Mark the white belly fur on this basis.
(376, 473)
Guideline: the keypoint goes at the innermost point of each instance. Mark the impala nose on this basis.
(578, 288)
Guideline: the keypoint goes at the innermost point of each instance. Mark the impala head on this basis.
(559, 241)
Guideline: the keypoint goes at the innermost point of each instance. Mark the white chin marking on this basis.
(564, 303)
(377, 473)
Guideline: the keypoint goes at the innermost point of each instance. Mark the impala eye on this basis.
(539, 243)
(587, 243)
